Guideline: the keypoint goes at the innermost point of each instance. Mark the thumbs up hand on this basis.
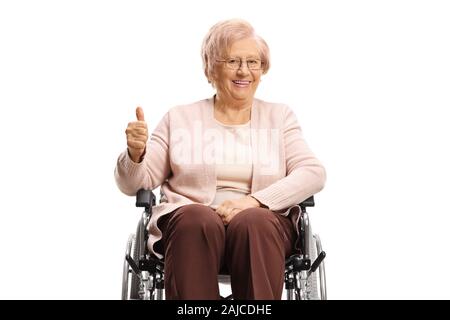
(137, 136)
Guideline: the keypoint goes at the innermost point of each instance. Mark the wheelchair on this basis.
(143, 273)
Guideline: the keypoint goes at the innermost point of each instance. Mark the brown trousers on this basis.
(252, 249)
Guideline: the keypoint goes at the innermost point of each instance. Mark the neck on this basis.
(232, 112)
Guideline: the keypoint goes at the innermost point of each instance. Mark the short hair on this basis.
(220, 38)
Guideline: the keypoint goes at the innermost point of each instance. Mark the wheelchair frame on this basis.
(143, 274)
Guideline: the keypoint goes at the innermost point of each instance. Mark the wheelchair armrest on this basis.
(145, 198)
(304, 226)
(308, 202)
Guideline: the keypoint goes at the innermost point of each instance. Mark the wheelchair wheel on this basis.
(322, 276)
(313, 279)
(316, 282)
(135, 281)
(130, 281)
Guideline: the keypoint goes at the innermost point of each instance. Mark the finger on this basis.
(137, 135)
(135, 144)
(223, 218)
(226, 220)
(231, 215)
(133, 137)
(141, 131)
(219, 212)
(140, 114)
(137, 124)
(136, 130)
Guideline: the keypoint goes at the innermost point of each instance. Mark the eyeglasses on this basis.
(236, 63)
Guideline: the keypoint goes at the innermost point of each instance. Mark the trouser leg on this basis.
(257, 243)
(194, 244)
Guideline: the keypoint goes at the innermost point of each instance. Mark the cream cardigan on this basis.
(179, 159)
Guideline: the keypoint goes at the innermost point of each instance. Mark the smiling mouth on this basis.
(241, 83)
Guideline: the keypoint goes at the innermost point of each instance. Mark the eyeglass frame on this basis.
(241, 63)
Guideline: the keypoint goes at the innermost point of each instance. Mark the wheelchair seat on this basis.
(143, 273)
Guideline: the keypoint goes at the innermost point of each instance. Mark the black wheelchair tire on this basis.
(128, 275)
(137, 243)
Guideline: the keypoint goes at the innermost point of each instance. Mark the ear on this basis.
(208, 77)
(211, 79)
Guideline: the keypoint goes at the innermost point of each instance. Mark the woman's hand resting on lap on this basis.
(229, 208)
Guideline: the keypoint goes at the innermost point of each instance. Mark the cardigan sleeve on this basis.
(305, 175)
(153, 170)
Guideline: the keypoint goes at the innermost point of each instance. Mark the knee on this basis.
(259, 219)
(194, 217)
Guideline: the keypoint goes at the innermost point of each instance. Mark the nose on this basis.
(243, 69)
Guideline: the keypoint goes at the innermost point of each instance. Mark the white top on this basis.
(233, 162)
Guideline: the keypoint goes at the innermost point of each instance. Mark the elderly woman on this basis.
(232, 169)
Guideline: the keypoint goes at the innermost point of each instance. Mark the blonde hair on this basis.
(220, 38)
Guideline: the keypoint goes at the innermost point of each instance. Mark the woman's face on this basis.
(238, 85)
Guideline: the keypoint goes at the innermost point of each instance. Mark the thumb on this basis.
(140, 114)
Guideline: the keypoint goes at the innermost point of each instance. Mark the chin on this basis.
(242, 97)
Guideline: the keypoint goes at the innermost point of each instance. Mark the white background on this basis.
(368, 80)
